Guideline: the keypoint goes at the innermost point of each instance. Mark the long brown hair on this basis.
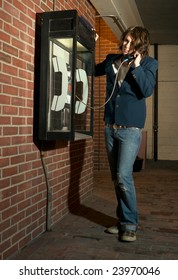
(141, 39)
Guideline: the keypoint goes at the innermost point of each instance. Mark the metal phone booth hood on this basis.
(64, 76)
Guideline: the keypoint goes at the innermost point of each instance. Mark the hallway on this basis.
(80, 235)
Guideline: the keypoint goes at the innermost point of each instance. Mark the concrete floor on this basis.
(81, 235)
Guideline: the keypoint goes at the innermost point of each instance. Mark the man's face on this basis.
(127, 46)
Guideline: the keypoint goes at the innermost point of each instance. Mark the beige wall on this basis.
(168, 102)
(167, 106)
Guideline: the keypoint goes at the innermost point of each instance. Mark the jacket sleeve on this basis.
(100, 68)
(145, 77)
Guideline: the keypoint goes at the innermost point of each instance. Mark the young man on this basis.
(131, 78)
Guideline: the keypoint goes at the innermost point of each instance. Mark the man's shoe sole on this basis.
(128, 237)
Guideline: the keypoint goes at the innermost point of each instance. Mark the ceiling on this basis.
(160, 17)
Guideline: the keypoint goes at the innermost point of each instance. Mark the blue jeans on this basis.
(122, 147)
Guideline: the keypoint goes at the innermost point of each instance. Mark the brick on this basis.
(4, 245)
(9, 212)
(31, 174)
(19, 63)
(25, 148)
(32, 209)
(11, 30)
(29, 4)
(11, 9)
(18, 217)
(17, 101)
(25, 130)
(31, 32)
(38, 182)
(9, 49)
(30, 67)
(5, 16)
(25, 166)
(11, 90)
(27, 20)
(10, 130)
(18, 121)
(24, 204)
(18, 44)
(4, 225)
(18, 236)
(4, 38)
(10, 251)
(10, 70)
(9, 151)
(5, 203)
(25, 240)
(25, 93)
(4, 162)
(17, 198)
(9, 232)
(17, 140)
(20, 6)
(30, 103)
(4, 121)
(31, 192)
(18, 82)
(31, 156)
(26, 38)
(4, 183)
(24, 186)
(38, 230)
(4, 78)
(19, 25)
(17, 159)
(17, 179)
(9, 171)
(30, 85)
(25, 75)
(37, 2)
(25, 112)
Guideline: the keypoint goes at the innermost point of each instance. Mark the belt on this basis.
(116, 126)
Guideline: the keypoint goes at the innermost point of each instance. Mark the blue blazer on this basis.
(127, 105)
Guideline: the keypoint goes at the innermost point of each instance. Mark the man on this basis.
(131, 77)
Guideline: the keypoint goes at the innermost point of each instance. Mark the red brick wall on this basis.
(69, 165)
(107, 43)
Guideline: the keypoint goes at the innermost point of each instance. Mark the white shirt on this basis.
(123, 69)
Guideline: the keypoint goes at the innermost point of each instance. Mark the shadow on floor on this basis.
(80, 235)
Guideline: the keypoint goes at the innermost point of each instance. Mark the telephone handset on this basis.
(128, 57)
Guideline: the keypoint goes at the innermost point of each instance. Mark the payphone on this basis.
(64, 76)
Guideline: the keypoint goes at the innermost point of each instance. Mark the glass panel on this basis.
(60, 61)
(60, 95)
(83, 89)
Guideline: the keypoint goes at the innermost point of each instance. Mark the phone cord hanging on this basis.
(99, 107)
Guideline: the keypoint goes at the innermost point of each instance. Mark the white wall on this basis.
(167, 105)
